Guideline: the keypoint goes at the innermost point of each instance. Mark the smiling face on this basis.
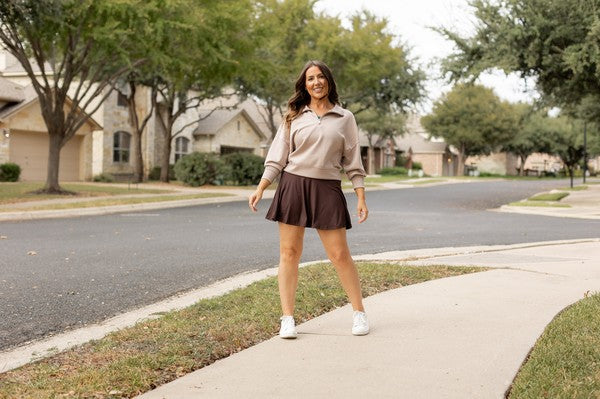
(316, 83)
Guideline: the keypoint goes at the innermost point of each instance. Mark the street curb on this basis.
(106, 210)
(550, 211)
(112, 209)
(37, 350)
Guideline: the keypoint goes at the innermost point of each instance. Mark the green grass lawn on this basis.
(136, 359)
(387, 178)
(21, 191)
(540, 204)
(427, 181)
(576, 188)
(565, 361)
(549, 196)
(114, 201)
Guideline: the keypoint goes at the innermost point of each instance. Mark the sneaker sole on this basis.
(360, 333)
(288, 336)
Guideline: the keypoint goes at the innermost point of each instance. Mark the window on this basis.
(121, 145)
(121, 99)
(181, 147)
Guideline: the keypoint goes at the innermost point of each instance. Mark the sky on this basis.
(409, 20)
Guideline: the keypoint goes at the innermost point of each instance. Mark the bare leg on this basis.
(336, 247)
(290, 250)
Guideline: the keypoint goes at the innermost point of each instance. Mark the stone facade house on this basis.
(105, 143)
(508, 164)
(25, 141)
(435, 155)
(224, 131)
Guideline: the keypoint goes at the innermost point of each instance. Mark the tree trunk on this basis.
(371, 158)
(52, 186)
(460, 162)
(136, 153)
(571, 170)
(522, 166)
(138, 161)
(165, 157)
(166, 129)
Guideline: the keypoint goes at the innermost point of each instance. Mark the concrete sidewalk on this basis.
(584, 204)
(459, 337)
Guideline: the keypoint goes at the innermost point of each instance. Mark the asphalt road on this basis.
(83, 270)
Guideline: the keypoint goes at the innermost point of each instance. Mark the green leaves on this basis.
(556, 41)
(472, 118)
(372, 70)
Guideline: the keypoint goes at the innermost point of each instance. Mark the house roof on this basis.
(363, 139)
(417, 138)
(214, 120)
(10, 92)
(419, 144)
(29, 97)
(255, 110)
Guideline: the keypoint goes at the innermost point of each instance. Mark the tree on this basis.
(294, 34)
(372, 67)
(205, 58)
(557, 42)
(530, 134)
(281, 27)
(81, 47)
(565, 135)
(472, 119)
(378, 93)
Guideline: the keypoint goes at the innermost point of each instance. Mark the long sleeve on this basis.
(351, 159)
(277, 157)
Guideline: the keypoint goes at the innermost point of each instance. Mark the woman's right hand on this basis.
(254, 198)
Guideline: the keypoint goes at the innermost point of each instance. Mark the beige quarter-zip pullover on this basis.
(318, 147)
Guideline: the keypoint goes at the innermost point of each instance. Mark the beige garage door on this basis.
(29, 150)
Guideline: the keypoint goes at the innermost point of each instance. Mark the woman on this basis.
(317, 139)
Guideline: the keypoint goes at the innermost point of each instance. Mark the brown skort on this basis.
(309, 202)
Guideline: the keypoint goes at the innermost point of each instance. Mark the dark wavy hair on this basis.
(301, 97)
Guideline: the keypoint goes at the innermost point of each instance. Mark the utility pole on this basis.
(584, 150)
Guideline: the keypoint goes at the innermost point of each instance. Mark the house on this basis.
(25, 140)
(234, 125)
(223, 125)
(434, 154)
(500, 163)
(379, 156)
(224, 131)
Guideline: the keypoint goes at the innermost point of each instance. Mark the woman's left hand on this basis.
(363, 212)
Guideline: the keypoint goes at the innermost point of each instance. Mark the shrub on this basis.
(10, 172)
(490, 174)
(401, 160)
(417, 166)
(245, 169)
(104, 178)
(155, 173)
(198, 169)
(393, 171)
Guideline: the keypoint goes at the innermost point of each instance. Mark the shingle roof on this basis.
(255, 110)
(214, 120)
(417, 138)
(30, 95)
(419, 144)
(10, 92)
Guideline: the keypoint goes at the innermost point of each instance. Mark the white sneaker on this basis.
(288, 327)
(360, 325)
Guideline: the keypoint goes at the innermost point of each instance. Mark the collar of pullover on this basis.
(336, 110)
